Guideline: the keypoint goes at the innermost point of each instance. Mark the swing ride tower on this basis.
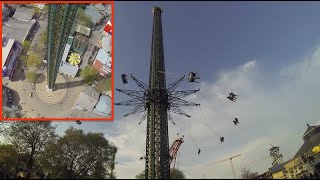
(60, 21)
(157, 101)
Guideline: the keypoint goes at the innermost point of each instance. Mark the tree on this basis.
(104, 85)
(177, 174)
(174, 174)
(83, 19)
(9, 161)
(22, 58)
(89, 74)
(36, 10)
(31, 138)
(45, 8)
(77, 155)
(44, 37)
(248, 174)
(25, 46)
(31, 76)
(33, 60)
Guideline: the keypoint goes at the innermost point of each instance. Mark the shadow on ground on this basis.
(41, 78)
(69, 84)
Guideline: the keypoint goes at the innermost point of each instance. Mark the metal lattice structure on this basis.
(60, 21)
(157, 102)
(275, 155)
(174, 151)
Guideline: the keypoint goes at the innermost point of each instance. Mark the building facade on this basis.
(305, 163)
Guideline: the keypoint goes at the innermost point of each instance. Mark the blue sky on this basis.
(211, 36)
(267, 52)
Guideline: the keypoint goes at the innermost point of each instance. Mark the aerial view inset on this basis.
(57, 61)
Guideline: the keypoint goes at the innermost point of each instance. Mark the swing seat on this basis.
(124, 78)
(192, 77)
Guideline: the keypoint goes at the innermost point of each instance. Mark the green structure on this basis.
(60, 21)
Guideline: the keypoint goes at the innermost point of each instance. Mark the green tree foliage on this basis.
(45, 8)
(22, 58)
(83, 19)
(104, 85)
(44, 37)
(89, 74)
(177, 174)
(78, 155)
(31, 76)
(25, 46)
(248, 174)
(174, 174)
(36, 152)
(36, 10)
(33, 60)
(83, 6)
(9, 161)
(30, 139)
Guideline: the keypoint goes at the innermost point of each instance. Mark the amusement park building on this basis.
(11, 50)
(305, 163)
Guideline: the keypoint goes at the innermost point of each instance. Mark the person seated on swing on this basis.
(222, 139)
(192, 77)
(232, 97)
(124, 78)
(236, 121)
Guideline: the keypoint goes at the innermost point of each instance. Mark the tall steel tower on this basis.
(60, 21)
(157, 101)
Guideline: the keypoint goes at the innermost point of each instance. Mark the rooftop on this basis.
(16, 29)
(67, 49)
(103, 106)
(108, 28)
(309, 129)
(7, 45)
(88, 98)
(80, 43)
(94, 13)
(103, 57)
(100, 7)
(103, 69)
(277, 168)
(69, 69)
(23, 13)
(106, 43)
(309, 142)
(83, 30)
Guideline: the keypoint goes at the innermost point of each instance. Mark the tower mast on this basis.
(60, 21)
(157, 101)
(157, 147)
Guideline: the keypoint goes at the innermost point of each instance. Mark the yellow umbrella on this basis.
(316, 149)
(74, 59)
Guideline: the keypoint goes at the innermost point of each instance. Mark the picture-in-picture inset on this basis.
(57, 61)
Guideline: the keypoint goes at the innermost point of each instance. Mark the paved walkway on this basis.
(48, 96)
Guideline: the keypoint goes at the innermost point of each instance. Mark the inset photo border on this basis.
(57, 60)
